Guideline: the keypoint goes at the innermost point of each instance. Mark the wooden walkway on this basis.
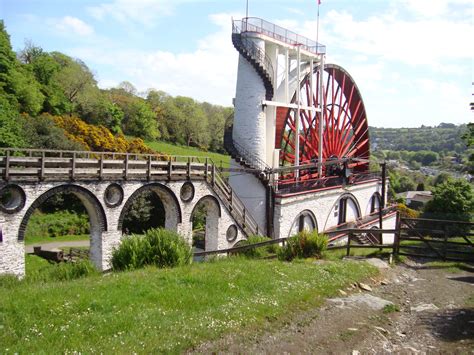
(32, 165)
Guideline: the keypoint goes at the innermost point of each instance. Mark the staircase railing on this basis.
(237, 150)
(230, 200)
(248, 48)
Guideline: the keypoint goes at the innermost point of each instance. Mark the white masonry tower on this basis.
(272, 61)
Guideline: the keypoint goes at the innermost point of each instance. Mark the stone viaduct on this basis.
(107, 183)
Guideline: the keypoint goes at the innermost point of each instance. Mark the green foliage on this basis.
(17, 82)
(261, 252)
(158, 247)
(56, 224)
(305, 244)
(453, 199)
(145, 212)
(74, 78)
(468, 136)
(57, 84)
(41, 132)
(407, 212)
(400, 183)
(72, 271)
(40, 271)
(390, 308)
(11, 129)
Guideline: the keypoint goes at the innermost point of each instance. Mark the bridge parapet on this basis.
(33, 165)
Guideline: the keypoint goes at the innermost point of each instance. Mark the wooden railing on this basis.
(32, 165)
(424, 238)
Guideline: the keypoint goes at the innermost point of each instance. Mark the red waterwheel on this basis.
(345, 127)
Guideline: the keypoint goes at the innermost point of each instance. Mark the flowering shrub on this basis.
(98, 137)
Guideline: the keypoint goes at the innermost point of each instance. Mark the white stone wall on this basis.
(12, 250)
(323, 204)
(251, 192)
(249, 118)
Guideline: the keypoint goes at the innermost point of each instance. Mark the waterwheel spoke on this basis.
(345, 128)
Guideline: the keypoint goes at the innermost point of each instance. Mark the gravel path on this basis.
(435, 316)
(55, 245)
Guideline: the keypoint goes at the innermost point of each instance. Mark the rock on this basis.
(377, 263)
(343, 293)
(411, 349)
(355, 352)
(373, 302)
(384, 282)
(401, 334)
(383, 330)
(424, 307)
(365, 287)
(352, 329)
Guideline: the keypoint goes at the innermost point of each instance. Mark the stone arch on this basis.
(173, 214)
(213, 213)
(336, 216)
(206, 199)
(304, 220)
(97, 217)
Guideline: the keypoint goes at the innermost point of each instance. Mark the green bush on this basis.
(261, 252)
(39, 270)
(72, 271)
(305, 244)
(159, 247)
(57, 224)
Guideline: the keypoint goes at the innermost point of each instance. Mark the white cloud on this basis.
(433, 8)
(206, 74)
(72, 25)
(144, 12)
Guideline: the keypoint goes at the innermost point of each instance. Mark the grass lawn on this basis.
(63, 238)
(167, 310)
(172, 149)
(338, 254)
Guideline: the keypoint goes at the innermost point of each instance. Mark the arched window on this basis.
(305, 220)
(347, 209)
(375, 202)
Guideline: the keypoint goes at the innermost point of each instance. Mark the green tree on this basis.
(11, 129)
(74, 78)
(139, 120)
(453, 198)
(468, 137)
(157, 100)
(188, 121)
(42, 133)
(17, 82)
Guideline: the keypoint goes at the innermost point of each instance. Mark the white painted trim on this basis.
(282, 104)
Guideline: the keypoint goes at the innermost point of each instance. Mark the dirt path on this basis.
(435, 315)
(54, 245)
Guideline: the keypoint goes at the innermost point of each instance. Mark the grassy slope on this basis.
(163, 310)
(172, 149)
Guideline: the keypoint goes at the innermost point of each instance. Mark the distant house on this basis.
(416, 199)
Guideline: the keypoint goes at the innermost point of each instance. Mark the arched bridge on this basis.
(107, 183)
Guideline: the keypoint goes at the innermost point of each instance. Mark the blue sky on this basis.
(412, 59)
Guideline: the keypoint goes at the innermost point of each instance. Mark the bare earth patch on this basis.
(412, 308)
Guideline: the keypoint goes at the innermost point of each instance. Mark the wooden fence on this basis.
(454, 242)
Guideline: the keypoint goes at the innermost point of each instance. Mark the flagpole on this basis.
(317, 29)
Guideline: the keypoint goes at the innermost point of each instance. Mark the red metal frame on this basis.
(346, 131)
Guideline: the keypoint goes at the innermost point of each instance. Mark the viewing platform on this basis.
(260, 26)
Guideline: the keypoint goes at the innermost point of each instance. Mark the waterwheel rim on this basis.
(345, 130)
